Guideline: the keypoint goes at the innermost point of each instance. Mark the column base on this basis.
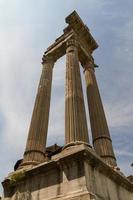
(32, 157)
(76, 143)
(28, 164)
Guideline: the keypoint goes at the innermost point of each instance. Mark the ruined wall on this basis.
(73, 175)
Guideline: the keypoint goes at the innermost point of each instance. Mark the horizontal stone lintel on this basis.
(58, 49)
(76, 29)
(76, 23)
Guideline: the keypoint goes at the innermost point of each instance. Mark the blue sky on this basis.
(27, 28)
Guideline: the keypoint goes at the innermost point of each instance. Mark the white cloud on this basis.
(119, 114)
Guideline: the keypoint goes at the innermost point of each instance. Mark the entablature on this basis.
(77, 30)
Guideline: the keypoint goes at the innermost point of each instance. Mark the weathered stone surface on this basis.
(75, 116)
(100, 132)
(76, 173)
(36, 142)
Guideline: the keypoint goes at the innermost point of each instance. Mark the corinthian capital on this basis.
(48, 59)
(89, 64)
(72, 42)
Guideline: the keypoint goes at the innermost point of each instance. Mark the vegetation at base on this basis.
(16, 177)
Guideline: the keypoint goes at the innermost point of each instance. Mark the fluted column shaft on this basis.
(100, 132)
(75, 116)
(36, 142)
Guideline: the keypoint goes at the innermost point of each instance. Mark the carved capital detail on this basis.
(89, 65)
(48, 59)
(72, 42)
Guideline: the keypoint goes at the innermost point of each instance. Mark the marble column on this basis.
(36, 142)
(75, 117)
(100, 132)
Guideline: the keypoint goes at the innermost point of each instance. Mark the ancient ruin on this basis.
(76, 171)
